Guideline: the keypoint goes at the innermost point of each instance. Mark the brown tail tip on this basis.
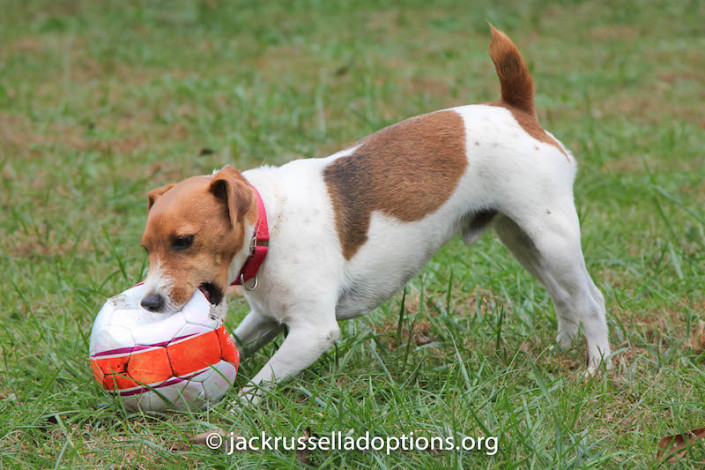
(514, 77)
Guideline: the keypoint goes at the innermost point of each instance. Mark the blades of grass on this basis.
(59, 458)
(679, 204)
(410, 337)
(114, 253)
(460, 362)
(676, 261)
(402, 309)
(317, 399)
(498, 335)
(36, 324)
(376, 355)
(449, 291)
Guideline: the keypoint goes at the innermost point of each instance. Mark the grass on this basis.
(102, 101)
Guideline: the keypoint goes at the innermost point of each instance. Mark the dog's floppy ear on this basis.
(230, 187)
(154, 194)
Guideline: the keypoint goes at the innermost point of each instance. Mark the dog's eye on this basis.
(181, 243)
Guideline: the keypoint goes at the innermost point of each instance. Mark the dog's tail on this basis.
(514, 76)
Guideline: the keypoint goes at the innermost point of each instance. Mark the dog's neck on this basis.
(241, 256)
(253, 231)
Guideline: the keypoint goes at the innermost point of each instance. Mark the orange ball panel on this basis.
(120, 379)
(97, 372)
(114, 372)
(194, 353)
(113, 364)
(151, 366)
(227, 347)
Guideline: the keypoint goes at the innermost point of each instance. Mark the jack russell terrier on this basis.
(317, 241)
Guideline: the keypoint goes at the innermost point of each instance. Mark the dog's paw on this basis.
(567, 334)
(236, 408)
(595, 367)
(250, 396)
(562, 344)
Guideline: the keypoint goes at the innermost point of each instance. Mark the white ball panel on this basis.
(203, 376)
(190, 397)
(132, 402)
(191, 329)
(197, 311)
(220, 381)
(150, 402)
(160, 330)
(107, 339)
(170, 393)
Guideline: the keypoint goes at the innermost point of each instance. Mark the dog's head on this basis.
(194, 230)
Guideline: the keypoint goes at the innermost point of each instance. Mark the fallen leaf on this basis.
(179, 446)
(675, 447)
(304, 455)
(202, 438)
(420, 340)
(46, 424)
(209, 439)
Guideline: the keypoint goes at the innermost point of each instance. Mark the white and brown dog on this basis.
(342, 234)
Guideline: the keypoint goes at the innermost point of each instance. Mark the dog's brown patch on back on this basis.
(406, 171)
(530, 123)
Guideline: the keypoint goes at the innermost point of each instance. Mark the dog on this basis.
(317, 241)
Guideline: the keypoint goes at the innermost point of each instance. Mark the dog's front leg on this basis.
(307, 341)
(254, 331)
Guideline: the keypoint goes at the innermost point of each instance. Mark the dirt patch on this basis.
(663, 325)
(38, 244)
(671, 78)
(629, 356)
(25, 45)
(430, 86)
(420, 334)
(16, 132)
(276, 62)
(607, 33)
(696, 342)
(628, 164)
(479, 300)
(19, 136)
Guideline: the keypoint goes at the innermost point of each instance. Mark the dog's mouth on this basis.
(212, 292)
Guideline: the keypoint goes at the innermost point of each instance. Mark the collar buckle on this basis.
(243, 283)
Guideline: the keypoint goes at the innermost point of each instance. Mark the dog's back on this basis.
(396, 196)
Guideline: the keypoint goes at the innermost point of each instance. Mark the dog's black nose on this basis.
(152, 302)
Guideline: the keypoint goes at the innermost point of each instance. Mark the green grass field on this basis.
(102, 101)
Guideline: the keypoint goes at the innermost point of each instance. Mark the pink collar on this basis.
(258, 247)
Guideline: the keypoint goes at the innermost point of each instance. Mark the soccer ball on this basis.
(157, 361)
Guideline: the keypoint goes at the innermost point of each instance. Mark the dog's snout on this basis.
(153, 302)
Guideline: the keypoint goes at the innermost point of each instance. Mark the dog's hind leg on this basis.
(476, 224)
(547, 244)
